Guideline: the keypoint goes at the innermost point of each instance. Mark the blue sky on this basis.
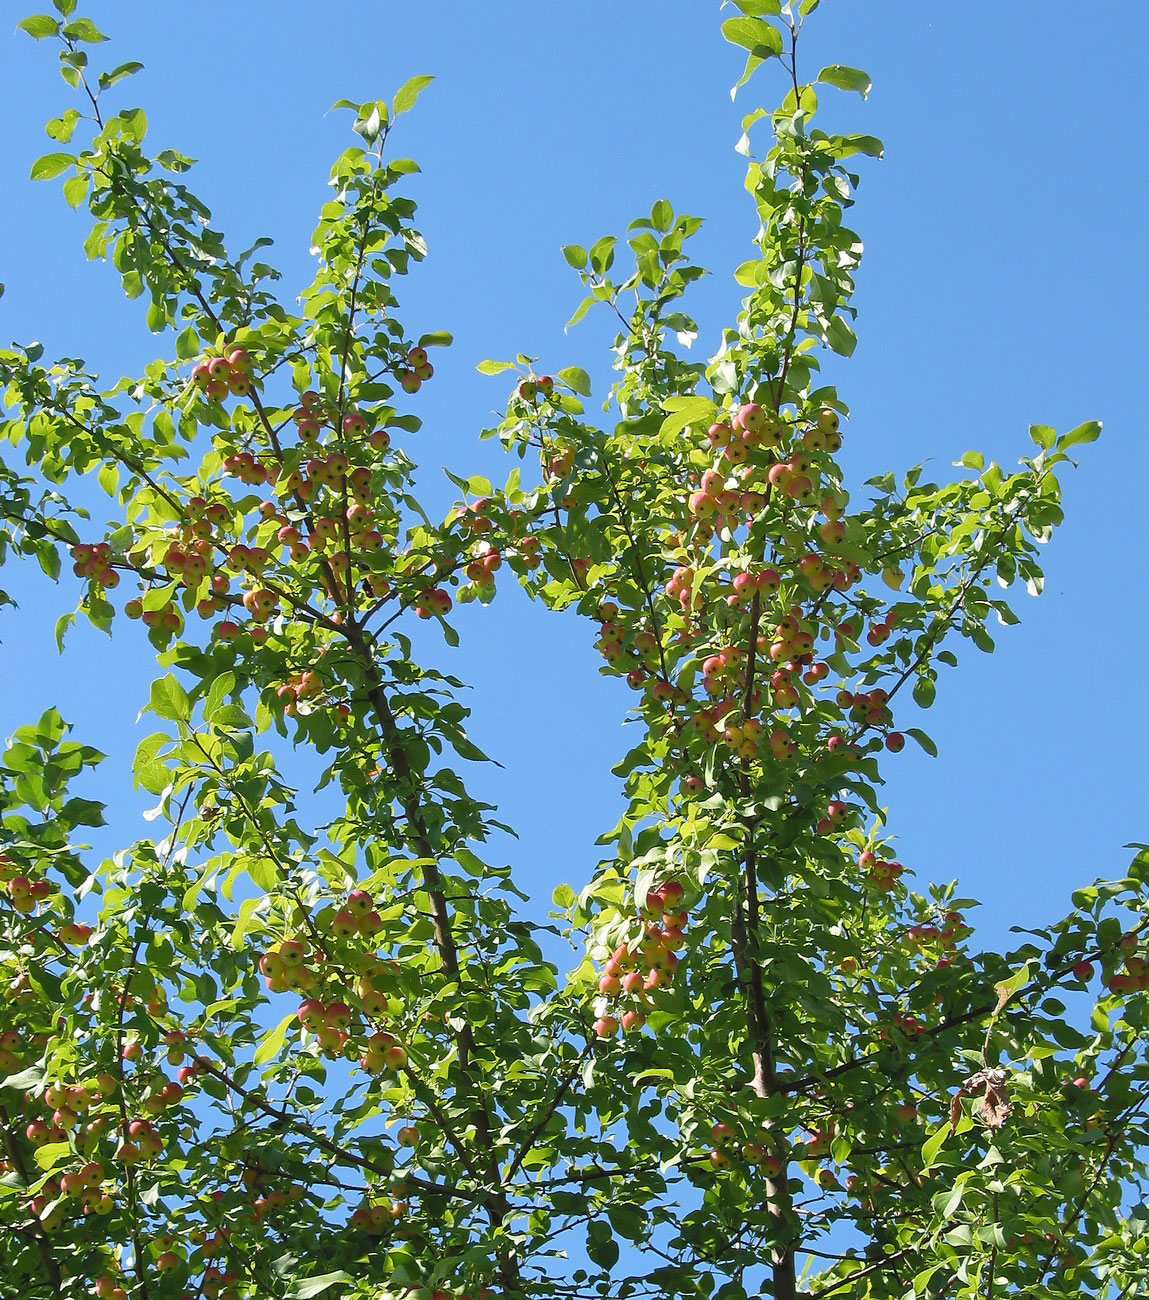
(1003, 284)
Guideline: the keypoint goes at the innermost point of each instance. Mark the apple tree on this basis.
(291, 1046)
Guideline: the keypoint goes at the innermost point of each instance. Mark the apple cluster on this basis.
(533, 391)
(26, 892)
(109, 1118)
(417, 371)
(376, 1217)
(631, 974)
(807, 1147)
(944, 937)
(87, 1114)
(94, 1116)
(222, 376)
(328, 518)
(94, 560)
(761, 565)
(725, 1142)
(490, 534)
(880, 874)
(433, 602)
(749, 442)
(1134, 975)
(324, 527)
(352, 991)
(25, 895)
(758, 457)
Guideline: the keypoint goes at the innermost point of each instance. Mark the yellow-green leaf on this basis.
(271, 1043)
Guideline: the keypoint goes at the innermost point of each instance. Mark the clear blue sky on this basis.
(1004, 282)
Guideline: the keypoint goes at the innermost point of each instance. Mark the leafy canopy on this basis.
(290, 1047)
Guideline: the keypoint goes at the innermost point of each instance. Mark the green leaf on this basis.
(837, 74)
(563, 896)
(494, 367)
(83, 29)
(576, 378)
(933, 1144)
(841, 337)
(148, 770)
(1007, 988)
(231, 717)
(51, 165)
(187, 343)
(581, 310)
(602, 254)
(243, 922)
(920, 736)
(49, 1156)
(467, 749)
(408, 93)
(754, 34)
(743, 145)
(32, 1077)
(870, 145)
(63, 623)
(661, 215)
(685, 411)
(370, 126)
(118, 74)
(263, 873)
(135, 123)
(924, 692)
(218, 692)
(955, 1198)
(575, 254)
(75, 190)
(39, 26)
(307, 1287)
(271, 1042)
(1090, 431)
(169, 699)
(61, 128)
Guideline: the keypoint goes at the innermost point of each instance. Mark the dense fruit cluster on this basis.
(880, 874)
(634, 971)
(223, 376)
(735, 645)
(87, 1116)
(95, 560)
(764, 464)
(376, 1217)
(31, 895)
(326, 526)
(352, 991)
(1134, 975)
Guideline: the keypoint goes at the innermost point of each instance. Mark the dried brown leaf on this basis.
(993, 1107)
